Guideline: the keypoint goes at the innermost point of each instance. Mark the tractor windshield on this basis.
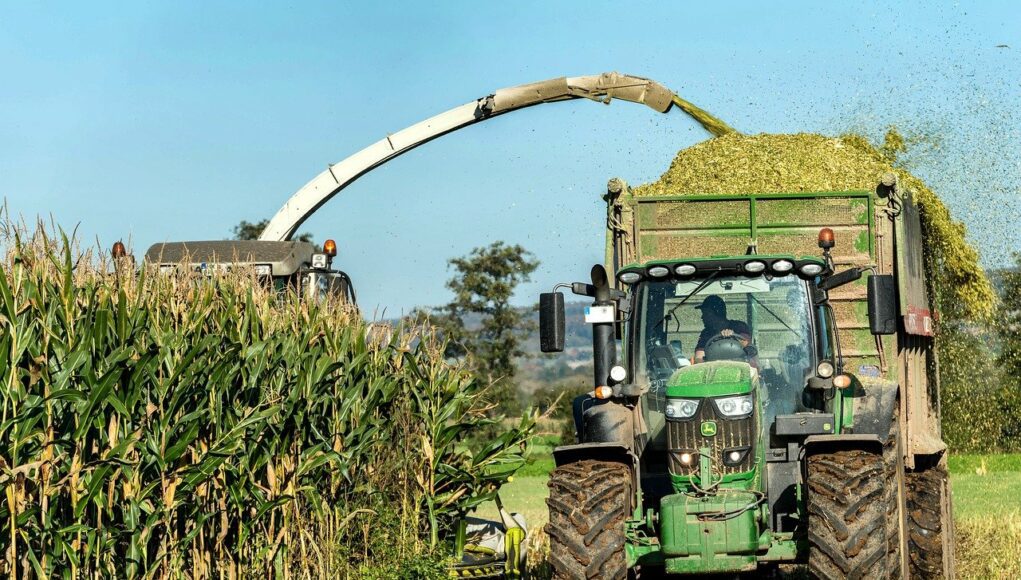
(765, 322)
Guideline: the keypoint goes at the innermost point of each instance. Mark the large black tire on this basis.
(930, 524)
(855, 512)
(589, 503)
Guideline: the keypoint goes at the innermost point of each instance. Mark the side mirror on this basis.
(882, 302)
(551, 322)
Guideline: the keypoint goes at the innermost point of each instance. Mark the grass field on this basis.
(987, 508)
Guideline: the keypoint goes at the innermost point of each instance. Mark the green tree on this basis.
(247, 230)
(1009, 359)
(479, 323)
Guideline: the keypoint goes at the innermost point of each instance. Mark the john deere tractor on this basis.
(774, 404)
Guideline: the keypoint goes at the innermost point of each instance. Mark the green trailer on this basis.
(765, 391)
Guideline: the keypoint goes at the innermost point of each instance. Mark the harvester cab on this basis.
(292, 265)
(696, 445)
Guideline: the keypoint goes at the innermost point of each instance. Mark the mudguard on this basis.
(873, 405)
(605, 432)
(603, 421)
(873, 410)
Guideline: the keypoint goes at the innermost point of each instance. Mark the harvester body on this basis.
(756, 434)
(289, 265)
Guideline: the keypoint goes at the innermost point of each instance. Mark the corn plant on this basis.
(158, 425)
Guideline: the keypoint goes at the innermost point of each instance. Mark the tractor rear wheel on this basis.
(589, 503)
(855, 512)
(930, 524)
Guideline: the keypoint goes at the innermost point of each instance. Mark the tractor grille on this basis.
(686, 436)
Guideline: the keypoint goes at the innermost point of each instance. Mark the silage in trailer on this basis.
(734, 163)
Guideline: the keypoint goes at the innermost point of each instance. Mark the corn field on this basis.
(177, 425)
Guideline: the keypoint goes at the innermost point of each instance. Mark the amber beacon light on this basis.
(826, 240)
(330, 248)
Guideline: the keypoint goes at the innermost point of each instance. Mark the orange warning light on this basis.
(826, 238)
(330, 248)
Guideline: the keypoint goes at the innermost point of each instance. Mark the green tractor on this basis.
(777, 404)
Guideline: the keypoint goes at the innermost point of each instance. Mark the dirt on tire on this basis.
(589, 503)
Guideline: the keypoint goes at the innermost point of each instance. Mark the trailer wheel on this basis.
(589, 503)
(855, 511)
(930, 524)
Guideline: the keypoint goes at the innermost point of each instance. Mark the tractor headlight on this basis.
(735, 455)
(658, 271)
(685, 270)
(811, 269)
(825, 369)
(629, 277)
(754, 267)
(735, 406)
(783, 266)
(681, 408)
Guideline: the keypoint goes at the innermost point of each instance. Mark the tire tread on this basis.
(589, 505)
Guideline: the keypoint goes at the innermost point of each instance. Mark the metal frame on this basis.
(753, 200)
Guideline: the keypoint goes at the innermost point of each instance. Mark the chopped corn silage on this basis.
(733, 163)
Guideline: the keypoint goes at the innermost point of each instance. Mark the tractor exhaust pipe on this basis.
(604, 350)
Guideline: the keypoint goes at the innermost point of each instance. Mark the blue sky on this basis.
(174, 121)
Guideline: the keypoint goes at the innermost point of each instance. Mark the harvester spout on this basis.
(602, 88)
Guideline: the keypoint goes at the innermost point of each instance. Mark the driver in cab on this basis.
(714, 317)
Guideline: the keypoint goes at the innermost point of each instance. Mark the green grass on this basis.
(962, 464)
(987, 513)
(985, 484)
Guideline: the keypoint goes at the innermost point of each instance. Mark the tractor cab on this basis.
(296, 266)
(749, 322)
(753, 310)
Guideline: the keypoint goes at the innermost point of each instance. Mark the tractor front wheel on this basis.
(589, 503)
(856, 512)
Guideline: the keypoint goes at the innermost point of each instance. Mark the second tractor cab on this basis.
(297, 266)
(697, 449)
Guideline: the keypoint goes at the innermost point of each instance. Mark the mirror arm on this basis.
(846, 277)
